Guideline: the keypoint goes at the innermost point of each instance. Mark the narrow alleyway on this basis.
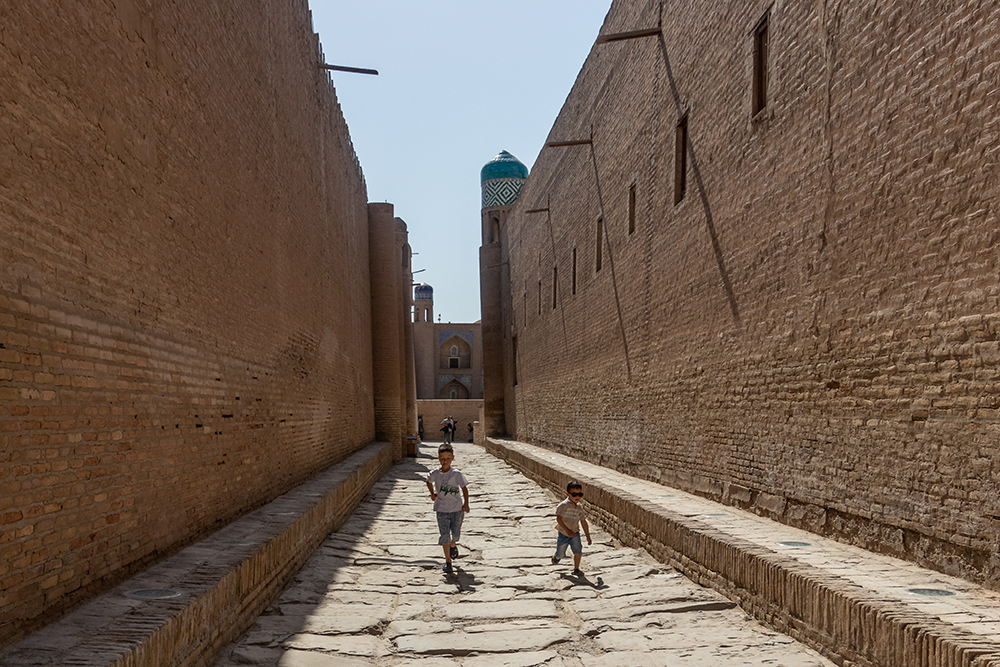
(374, 592)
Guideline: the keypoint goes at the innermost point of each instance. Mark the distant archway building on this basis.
(448, 356)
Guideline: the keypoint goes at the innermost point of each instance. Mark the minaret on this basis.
(423, 303)
(502, 178)
(425, 342)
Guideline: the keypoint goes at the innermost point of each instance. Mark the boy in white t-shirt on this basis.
(444, 485)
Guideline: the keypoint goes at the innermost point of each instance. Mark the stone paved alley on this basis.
(374, 592)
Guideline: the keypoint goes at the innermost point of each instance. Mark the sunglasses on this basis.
(576, 495)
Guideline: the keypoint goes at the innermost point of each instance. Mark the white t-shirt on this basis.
(448, 486)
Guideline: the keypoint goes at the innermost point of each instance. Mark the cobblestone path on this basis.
(374, 592)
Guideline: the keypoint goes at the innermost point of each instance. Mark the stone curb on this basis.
(849, 626)
(219, 586)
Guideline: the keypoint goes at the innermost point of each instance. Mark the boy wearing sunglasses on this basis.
(569, 520)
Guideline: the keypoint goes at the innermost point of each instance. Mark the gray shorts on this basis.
(450, 526)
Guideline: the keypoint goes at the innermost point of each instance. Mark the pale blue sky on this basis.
(459, 81)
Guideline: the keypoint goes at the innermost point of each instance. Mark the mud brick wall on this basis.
(813, 329)
(185, 327)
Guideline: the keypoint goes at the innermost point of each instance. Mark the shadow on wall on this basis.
(709, 222)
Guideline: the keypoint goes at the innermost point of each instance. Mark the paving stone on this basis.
(490, 595)
(347, 552)
(510, 641)
(255, 655)
(310, 659)
(530, 624)
(357, 645)
(631, 659)
(352, 597)
(421, 551)
(385, 577)
(661, 582)
(541, 595)
(523, 659)
(503, 553)
(507, 609)
(265, 635)
(353, 614)
(400, 628)
(395, 560)
(535, 582)
(626, 572)
(597, 627)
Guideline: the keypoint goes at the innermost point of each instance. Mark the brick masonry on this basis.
(185, 306)
(221, 584)
(813, 330)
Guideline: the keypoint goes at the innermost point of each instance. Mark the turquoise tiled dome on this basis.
(504, 165)
(423, 292)
(502, 178)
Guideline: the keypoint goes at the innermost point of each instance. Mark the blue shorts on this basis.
(450, 526)
(575, 543)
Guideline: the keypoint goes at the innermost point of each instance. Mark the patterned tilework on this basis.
(465, 380)
(467, 336)
(501, 191)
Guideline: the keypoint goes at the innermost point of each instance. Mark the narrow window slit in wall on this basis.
(760, 44)
(680, 160)
(574, 270)
(555, 286)
(631, 209)
(600, 243)
(513, 347)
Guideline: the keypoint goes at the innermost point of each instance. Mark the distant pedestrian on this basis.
(444, 484)
(470, 431)
(569, 519)
(420, 427)
(448, 429)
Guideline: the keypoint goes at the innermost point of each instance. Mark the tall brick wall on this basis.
(387, 329)
(185, 328)
(813, 331)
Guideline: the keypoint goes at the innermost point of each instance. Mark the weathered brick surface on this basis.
(185, 327)
(813, 330)
(223, 582)
(387, 328)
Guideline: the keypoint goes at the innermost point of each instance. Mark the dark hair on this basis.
(574, 485)
(445, 448)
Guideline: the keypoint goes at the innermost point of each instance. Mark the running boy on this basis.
(569, 520)
(444, 484)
